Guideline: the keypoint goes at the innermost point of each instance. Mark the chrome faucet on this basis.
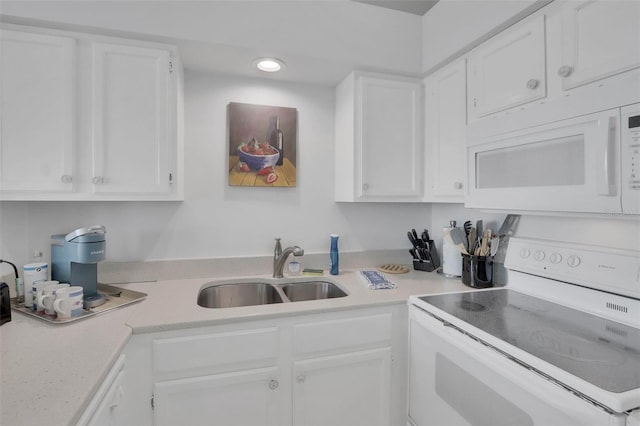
(280, 257)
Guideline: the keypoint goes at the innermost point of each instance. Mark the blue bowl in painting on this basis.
(256, 161)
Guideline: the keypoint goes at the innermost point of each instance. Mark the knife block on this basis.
(432, 263)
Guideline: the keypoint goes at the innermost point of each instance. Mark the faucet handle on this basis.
(277, 251)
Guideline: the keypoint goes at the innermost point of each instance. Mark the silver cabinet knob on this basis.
(565, 71)
(365, 186)
(273, 384)
(97, 180)
(66, 178)
(457, 185)
(532, 83)
(301, 378)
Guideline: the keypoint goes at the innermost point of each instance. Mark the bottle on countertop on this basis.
(276, 139)
(334, 255)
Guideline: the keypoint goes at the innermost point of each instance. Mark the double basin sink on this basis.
(234, 293)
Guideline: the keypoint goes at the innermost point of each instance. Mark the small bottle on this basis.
(334, 255)
(276, 139)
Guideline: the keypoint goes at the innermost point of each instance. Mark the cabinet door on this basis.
(388, 147)
(509, 69)
(445, 124)
(104, 407)
(599, 38)
(38, 109)
(250, 397)
(131, 126)
(349, 389)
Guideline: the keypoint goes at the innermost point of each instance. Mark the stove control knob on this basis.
(524, 253)
(555, 258)
(539, 256)
(573, 261)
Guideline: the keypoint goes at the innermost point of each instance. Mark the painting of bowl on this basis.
(258, 162)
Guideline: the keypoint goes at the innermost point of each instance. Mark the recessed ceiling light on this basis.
(269, 64)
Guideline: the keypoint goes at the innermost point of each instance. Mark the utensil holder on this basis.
(477, 271)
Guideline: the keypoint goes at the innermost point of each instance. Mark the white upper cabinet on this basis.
(131, 155)
(599, 39)
(378, 138)
(37, 72)
(121, 142)
(445, 135)
(509, 69)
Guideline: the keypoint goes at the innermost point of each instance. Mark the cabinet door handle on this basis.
(457, 185)
(532, 83)
(301, 378)
(97, 180)
(365, 187)
(66, 178)
(273, 384)
(565, 71)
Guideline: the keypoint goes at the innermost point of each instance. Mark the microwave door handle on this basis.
(605, 180)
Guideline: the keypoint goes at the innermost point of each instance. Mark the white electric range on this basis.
(558, 345)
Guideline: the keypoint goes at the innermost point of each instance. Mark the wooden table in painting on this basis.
(286, 175)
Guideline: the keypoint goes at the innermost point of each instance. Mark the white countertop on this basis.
(49, 372)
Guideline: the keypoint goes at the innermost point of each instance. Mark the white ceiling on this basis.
(417, 7)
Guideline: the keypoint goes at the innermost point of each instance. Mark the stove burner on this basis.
(468, 305)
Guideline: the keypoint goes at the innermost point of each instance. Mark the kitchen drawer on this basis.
(216, 352)
(342, 335)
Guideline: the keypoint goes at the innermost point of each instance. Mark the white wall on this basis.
(615, 231)
(217, 220)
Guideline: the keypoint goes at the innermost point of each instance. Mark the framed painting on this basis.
(262, 145)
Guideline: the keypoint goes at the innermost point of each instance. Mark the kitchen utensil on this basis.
(467, 228)
(460, 246)
(413, 253)
(415, 236)
(484, 245)
(413, 240)
(508, 225)
(457, 236)
(495, 243)
(472, 239)
(425, 236)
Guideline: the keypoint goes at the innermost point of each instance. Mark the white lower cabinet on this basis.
(338, 368)
(104, 409)
(347, 389)
(250, 397)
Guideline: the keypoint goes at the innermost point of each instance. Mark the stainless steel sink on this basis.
(238, 294)
(312, 290)
(229, 294)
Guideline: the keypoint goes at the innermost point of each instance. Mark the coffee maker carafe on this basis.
(74, 260)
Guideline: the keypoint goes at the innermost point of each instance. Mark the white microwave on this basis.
(585, 164)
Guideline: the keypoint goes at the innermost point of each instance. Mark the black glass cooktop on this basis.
(602, 352)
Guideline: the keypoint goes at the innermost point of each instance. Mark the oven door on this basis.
(566, 166)
(455, 380)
